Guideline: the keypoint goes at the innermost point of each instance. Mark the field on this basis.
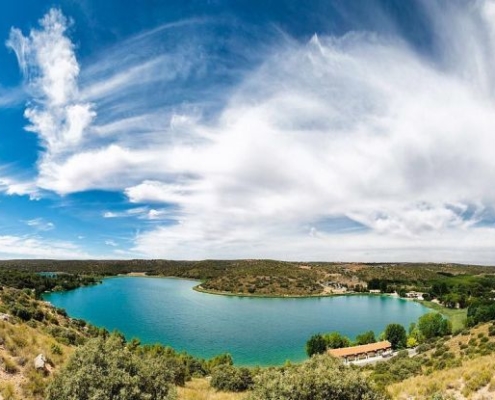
(455, 315)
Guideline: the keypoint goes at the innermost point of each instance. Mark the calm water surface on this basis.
(256, 331)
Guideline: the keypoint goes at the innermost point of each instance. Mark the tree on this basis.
(106, 369)
(335, 340)
(365, 338)
(433, 325)
(320, 378)
(396, 335)
(316, 345)
(231, 379)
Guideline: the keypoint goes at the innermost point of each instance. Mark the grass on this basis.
(469, 376)
(456, 316)
(468, 379)
(200, 389)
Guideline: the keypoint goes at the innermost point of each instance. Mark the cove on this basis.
(255, 331)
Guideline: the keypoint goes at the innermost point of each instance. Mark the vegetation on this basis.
(433, 325)
(316, 345)
(107, 369)
(457, 316)
(396, 335)
(453, 285)
(365, 338)
(231, 379)
(334, 340)
(461, 365)
(481, 310)
(87, 362)
(41, 283)
(321, 378)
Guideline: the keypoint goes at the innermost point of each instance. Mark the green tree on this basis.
(221, 359)
(106, 369)
(231, 379)
(396, 335)
(335, 340)
(320, 378)
(365, 338)
(433, 325)
(316, 345)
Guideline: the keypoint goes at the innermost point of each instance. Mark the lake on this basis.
(255, 331)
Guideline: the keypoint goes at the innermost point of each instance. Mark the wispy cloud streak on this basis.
(361, 127)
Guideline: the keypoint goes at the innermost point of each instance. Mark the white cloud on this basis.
(111, 243)
(47, 59)
(362, 127)
(35, 247)
(144, 213)
(12, 187)
(11, 97)
(40, 224)
(156, 192)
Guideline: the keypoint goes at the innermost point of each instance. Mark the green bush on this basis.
(231, 379)
(9, 366)
(433, 325)
(336, 340)
(316, 345)
(106, 369)
(320, 378)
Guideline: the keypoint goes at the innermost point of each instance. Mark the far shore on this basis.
(201, 289)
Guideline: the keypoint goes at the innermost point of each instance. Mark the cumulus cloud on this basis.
(36, 247)
(362, 127)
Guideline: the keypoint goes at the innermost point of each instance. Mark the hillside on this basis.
(461, 367)
(270, 277)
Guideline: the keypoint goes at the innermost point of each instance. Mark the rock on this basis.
(4, 317)
(40, 361)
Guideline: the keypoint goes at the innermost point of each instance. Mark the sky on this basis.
(329, 130)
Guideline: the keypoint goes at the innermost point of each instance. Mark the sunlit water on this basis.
(255, 331)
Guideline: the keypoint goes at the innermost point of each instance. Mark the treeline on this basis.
(429, 326)
(41, 283)
(451, 291)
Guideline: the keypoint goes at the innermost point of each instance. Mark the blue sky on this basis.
(332, 130)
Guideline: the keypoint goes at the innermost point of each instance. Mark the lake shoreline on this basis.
(167, 311)
(201, 289)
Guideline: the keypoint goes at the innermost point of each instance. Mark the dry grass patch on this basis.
(465, 382)
(20, 345)
(200, 389)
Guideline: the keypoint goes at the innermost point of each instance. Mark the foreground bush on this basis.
(231, 379)
(321, 378)
(105, 369)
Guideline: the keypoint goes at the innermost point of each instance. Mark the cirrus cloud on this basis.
(363, 128)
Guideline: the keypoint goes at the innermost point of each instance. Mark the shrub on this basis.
(365, 338)
(56, 349)
(231, 379)
(316, 345)
(9, 366)
(105, 369)
(320, 378)
(335, 340)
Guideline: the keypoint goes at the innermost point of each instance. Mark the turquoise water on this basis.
(256, 331)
